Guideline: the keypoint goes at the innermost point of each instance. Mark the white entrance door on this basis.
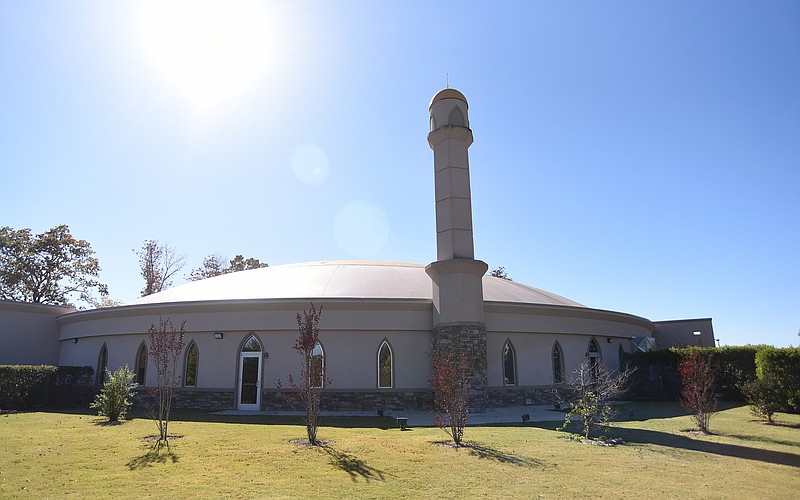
(250, 381)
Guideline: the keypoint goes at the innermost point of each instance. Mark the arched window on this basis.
(593, 354)
(251, 345)
(190, 366)
(317, 373)
(509, 364)
(558, 364)
(141, 364)
(102, 364)
(456, 118)
(385, 372)
(621, 357)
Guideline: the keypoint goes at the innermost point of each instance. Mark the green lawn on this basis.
(49, 455)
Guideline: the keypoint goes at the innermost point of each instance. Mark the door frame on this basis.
(239, 404)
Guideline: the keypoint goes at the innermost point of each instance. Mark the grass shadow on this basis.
(154, 455)
(354, 466)
(102, 422)
(354, 422)
(763, 439)
(784, 424)
(485, 452)
(642, 436)
(639, 411)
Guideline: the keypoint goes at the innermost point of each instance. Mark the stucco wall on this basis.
(351, 357)
(534, 355)
(29, 333)
(350, 334)
(680, 333)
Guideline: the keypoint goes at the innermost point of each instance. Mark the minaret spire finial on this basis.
(447, 80)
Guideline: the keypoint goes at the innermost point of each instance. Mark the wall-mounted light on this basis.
(266, 355)
(697, 334)
(218, 335)
(75, 340)
(609, 340)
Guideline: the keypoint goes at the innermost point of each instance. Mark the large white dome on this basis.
(340, 279)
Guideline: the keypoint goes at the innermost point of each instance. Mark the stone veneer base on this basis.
(369, 402)
(470, 339)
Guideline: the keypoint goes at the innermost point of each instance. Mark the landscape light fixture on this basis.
(403, 422)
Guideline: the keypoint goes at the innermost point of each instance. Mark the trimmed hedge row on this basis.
(25, 386)
(657, 376)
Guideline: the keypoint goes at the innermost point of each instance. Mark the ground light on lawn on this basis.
(56, 454)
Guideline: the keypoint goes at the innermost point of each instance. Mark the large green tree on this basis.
(48, 268)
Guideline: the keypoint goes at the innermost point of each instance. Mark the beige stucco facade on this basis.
(29, 333)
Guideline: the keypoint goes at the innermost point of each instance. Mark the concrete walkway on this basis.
(512, 415)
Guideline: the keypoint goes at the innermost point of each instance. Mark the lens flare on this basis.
(361, 228)
(310, 164)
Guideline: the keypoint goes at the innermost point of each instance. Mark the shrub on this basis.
(765, 396)
(116, 397)
(784, 365)
(697, 391)
(19, 382)
(735, 366)
(654, 375)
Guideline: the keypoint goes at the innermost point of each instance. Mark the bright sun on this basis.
(209, 50)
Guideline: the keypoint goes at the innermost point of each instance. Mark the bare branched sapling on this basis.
(589, 394)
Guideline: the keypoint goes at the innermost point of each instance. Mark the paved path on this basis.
(425, 419)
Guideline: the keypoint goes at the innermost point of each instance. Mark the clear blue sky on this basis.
(635, 156)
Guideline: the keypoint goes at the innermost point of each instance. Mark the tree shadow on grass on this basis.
(155, 455)
(488, 453)
(366, 422)
(102, 422)
(353, 465)
(785, 424)
(764, 439)
(642, 436)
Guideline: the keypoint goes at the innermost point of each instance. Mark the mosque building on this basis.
(379, 322)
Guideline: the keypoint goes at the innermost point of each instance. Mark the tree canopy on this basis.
(214, 265)
(158, 263)
(500, 272)
(47, 268)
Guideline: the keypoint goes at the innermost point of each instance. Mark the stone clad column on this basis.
(458, 319)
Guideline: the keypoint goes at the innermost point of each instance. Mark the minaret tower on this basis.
(458, 320)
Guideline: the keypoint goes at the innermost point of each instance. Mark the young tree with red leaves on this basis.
(308, 390)
(166, 346)
(697, 389)
(450, 384)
